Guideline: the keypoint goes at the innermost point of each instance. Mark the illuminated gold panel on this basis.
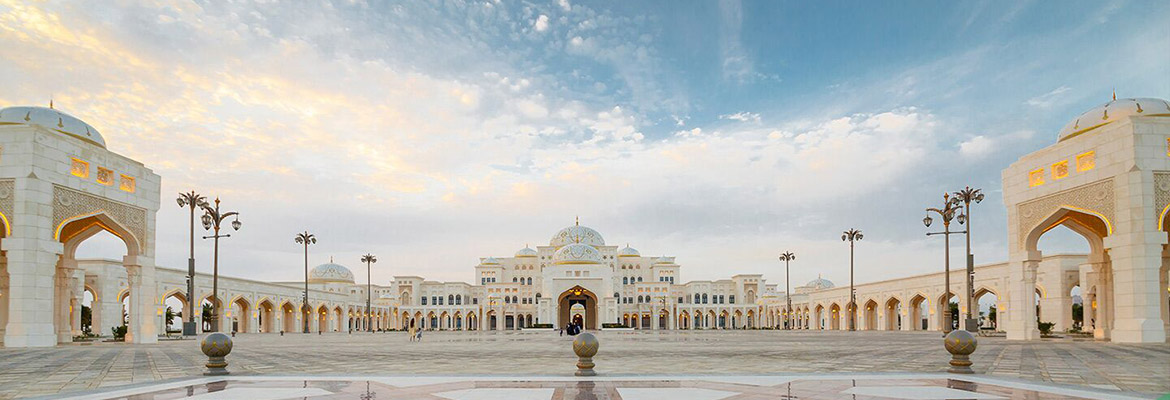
(1086, 161)
(105, 176)
(1060, 170)
(79, 169)
(1036, 177)
(127, 184)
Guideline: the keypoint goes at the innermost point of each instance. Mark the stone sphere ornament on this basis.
(960, 344)
(585, 345)
(216, 346)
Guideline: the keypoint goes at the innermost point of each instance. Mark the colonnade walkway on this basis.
(72, 368)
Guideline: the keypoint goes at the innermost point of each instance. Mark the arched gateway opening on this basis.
(578, 306)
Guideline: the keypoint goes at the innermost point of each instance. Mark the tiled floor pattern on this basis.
(613, 389)
(71, 368)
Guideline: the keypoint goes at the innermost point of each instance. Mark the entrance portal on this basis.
(577, 306)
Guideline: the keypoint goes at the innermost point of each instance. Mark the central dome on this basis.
(819, 283)
(577, 253)
(330, 273)
(52, 119)
(577, 234)
(1112, 111)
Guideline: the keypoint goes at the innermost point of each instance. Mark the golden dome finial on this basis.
(1114, 94)
(577, 221)
(50, 102)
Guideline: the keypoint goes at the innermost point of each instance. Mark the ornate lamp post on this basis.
(306, 239)
(787, 257)
(967, 196)
(852, 235)
(193, 201)
(368, 259)
(950, 211)
(212, 219)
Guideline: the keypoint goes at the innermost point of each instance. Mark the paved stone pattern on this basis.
(1132, 367)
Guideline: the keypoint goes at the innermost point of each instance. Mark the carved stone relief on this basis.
(1161, 192)
(7, 186)
(1096, 197)
(68, 203)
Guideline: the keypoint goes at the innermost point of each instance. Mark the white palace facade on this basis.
(1107, 179)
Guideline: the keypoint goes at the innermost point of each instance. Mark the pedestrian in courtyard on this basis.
(418, 336)
(412, 332)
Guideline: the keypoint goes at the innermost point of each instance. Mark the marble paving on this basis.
(852, 387)
(724, 357)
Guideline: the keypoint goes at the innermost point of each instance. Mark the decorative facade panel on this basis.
(1095, 197)
(69, 204)
(7, 200)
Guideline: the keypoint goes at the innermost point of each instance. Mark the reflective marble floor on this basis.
(893, 386)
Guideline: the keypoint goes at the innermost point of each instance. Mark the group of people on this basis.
(571, 329)
(415, 333)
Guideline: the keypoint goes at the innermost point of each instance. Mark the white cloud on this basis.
(541, 24)
(565, 5)
(1047, 100)
(742, 116)
(976, 147)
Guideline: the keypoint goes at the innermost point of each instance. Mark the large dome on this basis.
(51, 119)
(628, 252)
(1115, 110)
(577, 253)
(577, 234)
(326, 273)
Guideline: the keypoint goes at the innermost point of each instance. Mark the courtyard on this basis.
(79, 367)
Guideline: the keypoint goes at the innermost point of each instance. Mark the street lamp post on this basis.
(967, 196)
(787, 257)
(852, 235)
(212, 219)
(193, 201)
(949, 211)
(368, 259)
(306, 239)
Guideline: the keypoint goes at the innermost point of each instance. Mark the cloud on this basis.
(976, 147)
(541, 23)
(565, 5)
(1048, 99)
(742, 116)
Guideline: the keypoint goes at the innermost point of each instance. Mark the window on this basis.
(1036, 177)
(79, 169)
(625, 280)
(507, 300)
(1060, 170)
(1086, 161)
(514, 300)
(105, 176)
(680, 300)
(616, 295)
(474, 300)
(639, 279)
(440, 301)
(458, 299)
(696, 298)
(450, 299)
(424, 300)
(733, 299)
(127, 184)
(704, 298)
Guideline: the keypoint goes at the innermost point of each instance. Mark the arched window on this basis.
(513, 279)
(639, 279)
(507, 300)
(616, 295)
(538, 296)
(458, 299)
(696, 298)
(704, 298)
(530, 280)
(450, 299)
(625, 280)
(515, 299)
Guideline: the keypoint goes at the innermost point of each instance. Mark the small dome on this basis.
(664, 260)
(577, 234)
(628, 252)
(526, 252)
(489, 261)
(577, 253)
(326, 273)
(1115, 110)
(51, 119)
(819, 283)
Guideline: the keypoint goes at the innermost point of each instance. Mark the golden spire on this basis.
(331, 259)
(1114, 94)
(50, 102)
(578, 221)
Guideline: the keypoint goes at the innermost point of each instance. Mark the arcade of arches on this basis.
(1108, 183)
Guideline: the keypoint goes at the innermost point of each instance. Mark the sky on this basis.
(431, 133)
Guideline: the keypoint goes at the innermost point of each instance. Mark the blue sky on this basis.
(432, 133)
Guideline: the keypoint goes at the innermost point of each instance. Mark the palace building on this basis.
(1107, 178)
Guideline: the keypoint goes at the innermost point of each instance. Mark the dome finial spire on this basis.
(577, 220)
(1114, 94)
(50, 102)
(331, 259)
